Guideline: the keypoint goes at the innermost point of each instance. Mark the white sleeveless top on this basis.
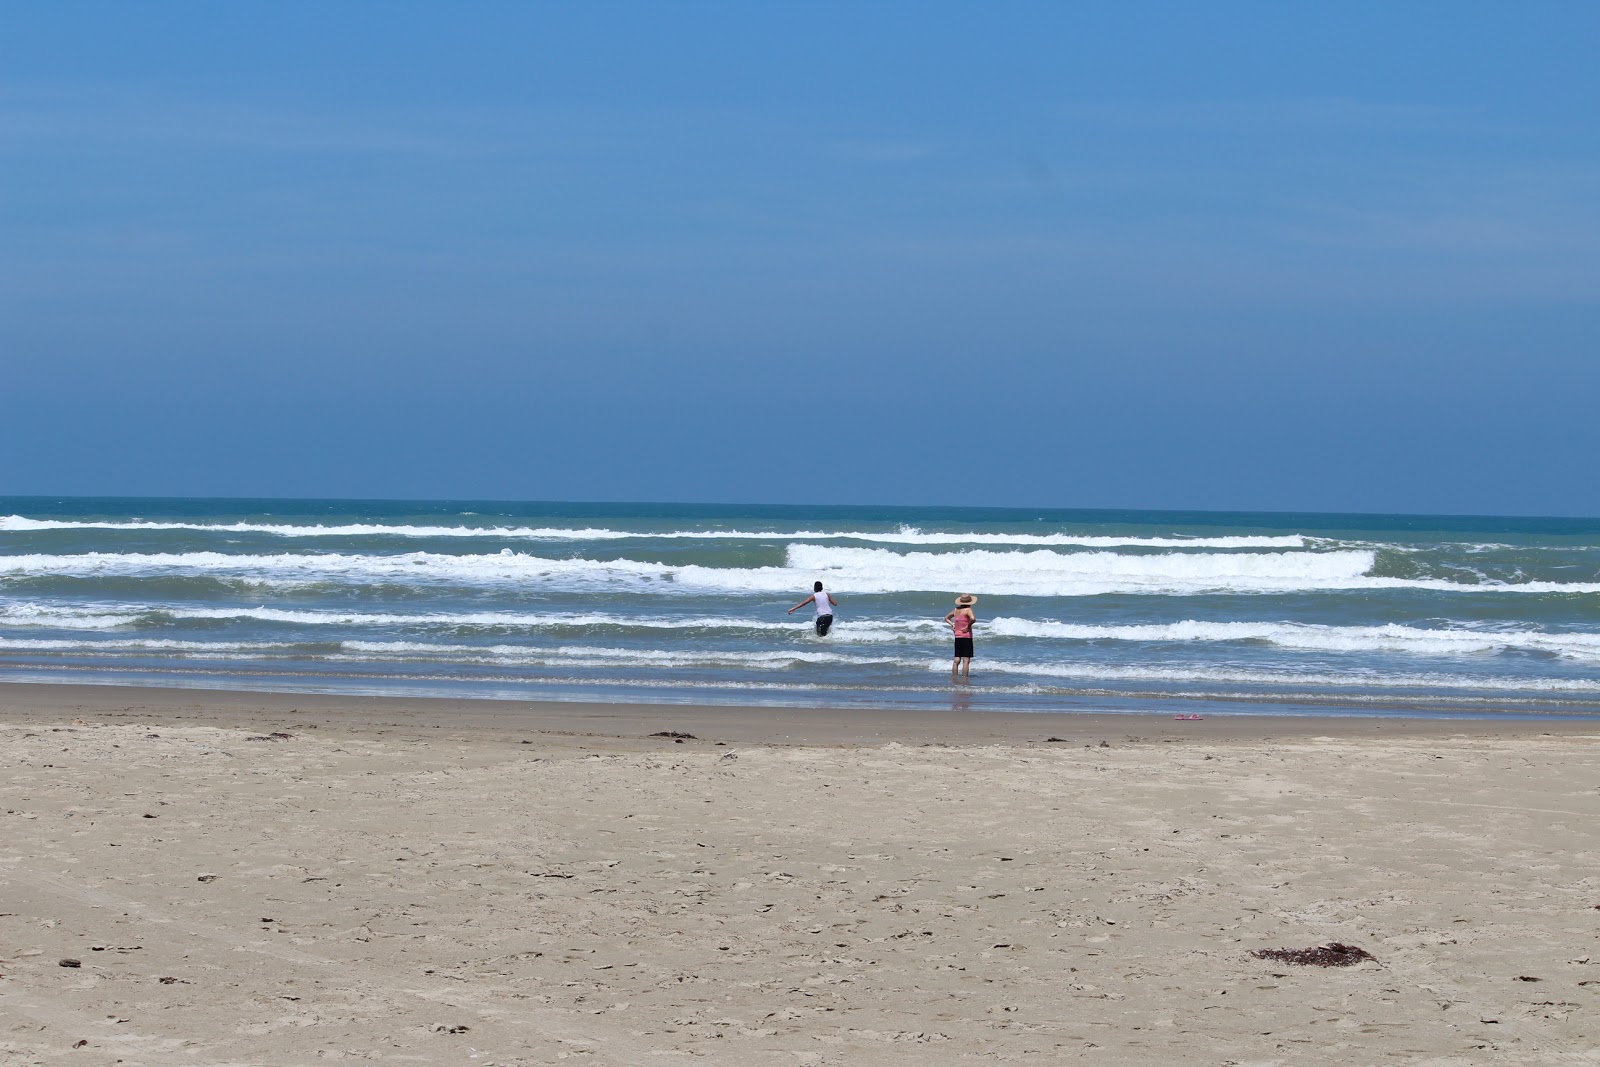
(821, 600)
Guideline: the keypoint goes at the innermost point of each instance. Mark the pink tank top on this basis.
(962, 624)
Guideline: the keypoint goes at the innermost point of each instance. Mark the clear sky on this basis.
(1277, 255)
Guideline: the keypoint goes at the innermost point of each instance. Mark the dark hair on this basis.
(817, 588)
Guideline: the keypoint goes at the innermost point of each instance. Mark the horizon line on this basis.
(795, 506)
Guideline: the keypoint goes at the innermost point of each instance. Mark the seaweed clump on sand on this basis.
(1330, 955)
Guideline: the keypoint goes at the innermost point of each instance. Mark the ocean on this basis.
(1131, 611)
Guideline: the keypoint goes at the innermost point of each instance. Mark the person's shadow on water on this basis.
(960, 699)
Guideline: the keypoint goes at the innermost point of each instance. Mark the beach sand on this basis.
(476, 882)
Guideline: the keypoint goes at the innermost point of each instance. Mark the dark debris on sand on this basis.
(1334, 954)
(675, 735)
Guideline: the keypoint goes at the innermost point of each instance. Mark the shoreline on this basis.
(487, 719)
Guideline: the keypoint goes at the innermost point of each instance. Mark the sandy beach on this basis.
(248, 878)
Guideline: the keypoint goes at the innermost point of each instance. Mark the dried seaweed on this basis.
(1329, 955)
(675, 735)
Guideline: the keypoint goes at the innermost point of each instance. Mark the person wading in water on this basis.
(961, 621)
(825, 605)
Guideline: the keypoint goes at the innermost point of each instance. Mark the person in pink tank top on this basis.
(961, 622)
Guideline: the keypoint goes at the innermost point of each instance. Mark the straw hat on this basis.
(966, 600)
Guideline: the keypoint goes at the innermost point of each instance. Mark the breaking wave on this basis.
(1038, 572)
(1390, 638)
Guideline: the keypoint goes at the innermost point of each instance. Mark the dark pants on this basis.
(824, 624)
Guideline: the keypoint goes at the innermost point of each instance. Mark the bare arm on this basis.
(802, 604)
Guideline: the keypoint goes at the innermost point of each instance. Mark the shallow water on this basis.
(1110, 610)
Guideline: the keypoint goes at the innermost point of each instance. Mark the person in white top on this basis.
(825, 605)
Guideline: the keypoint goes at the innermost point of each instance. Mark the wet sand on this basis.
(476, 882)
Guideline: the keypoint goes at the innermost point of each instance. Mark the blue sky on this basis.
(1279, 256)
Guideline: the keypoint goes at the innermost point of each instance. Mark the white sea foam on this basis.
(67, 617)
(1182, 675)
(505, 655)
(110, 616)
(34, 614)
(586, 657)
(499, 654)
(905, 535)
(1050, 573)
(141, 644)
(859, 570)
(23, 524)
(1047, 573)
(1311, 637)
(911, 536)
(411, 568)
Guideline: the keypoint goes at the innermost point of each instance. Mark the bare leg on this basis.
(955, 668)
(966, 668)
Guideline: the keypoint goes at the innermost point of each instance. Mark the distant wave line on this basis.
(908, 535)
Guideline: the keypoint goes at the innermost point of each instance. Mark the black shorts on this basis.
(824, 624)
(963, 648)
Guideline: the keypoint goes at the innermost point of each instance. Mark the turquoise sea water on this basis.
(1079, 610)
